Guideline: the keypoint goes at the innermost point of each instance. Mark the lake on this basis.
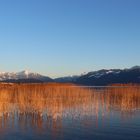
(68, 112)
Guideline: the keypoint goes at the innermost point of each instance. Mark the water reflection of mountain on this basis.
(41, 101)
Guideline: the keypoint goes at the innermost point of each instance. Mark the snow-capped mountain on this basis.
(94, 78)
(105, 77)
(26, 75)
(87, 75)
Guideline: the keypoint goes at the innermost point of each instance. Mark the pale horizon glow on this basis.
(57, 76)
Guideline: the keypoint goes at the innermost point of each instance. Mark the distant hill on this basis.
(67, 79)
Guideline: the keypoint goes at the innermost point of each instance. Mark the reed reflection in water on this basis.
(50, 109)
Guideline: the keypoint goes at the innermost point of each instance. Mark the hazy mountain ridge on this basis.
(94, 78)
(67, 79)
(23, 76)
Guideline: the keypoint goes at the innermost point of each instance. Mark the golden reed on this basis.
(59, 100)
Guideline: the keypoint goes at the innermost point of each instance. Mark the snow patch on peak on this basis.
(26, 72)
(110, 71)
(2, 72)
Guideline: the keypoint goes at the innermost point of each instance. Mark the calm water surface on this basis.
(40, 112)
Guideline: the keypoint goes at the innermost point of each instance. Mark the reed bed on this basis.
(58, 100)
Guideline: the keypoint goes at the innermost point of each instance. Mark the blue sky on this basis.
(64, 37)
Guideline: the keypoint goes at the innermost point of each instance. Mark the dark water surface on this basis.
(39, 112)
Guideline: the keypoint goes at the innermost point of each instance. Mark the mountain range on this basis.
(24, 76)
(93, 78)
